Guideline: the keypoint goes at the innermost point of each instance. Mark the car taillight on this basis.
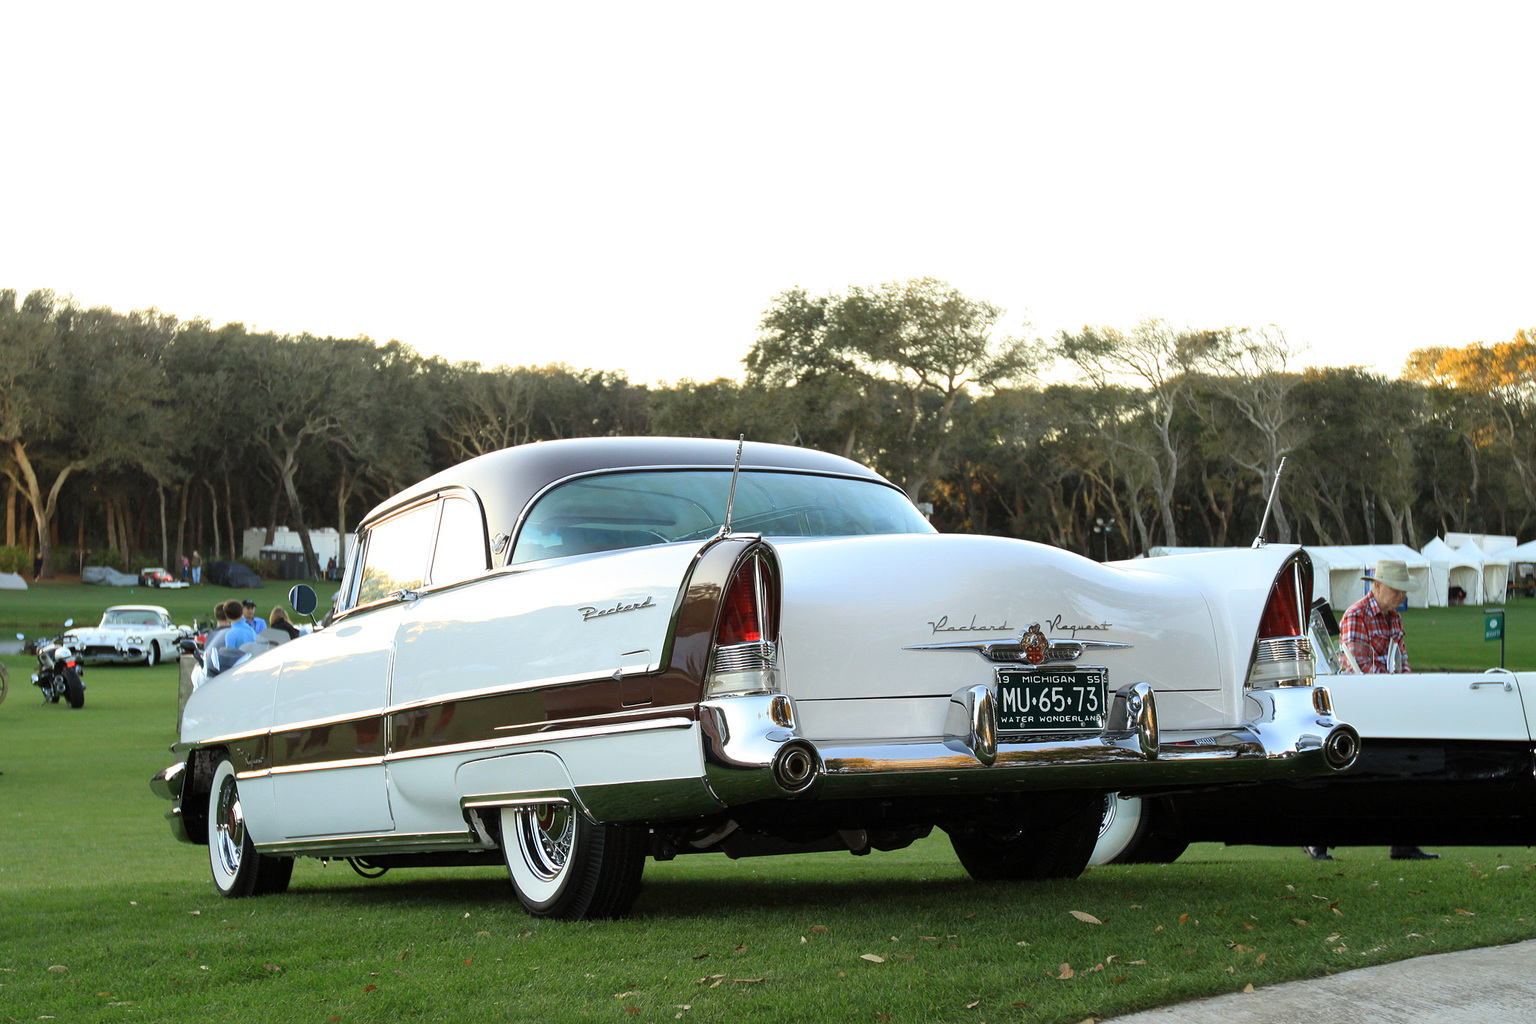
(744, 656)
(1282, 615)
(1282, 652)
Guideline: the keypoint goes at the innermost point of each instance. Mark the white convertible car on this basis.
(129, 633)
(1446, 758)
(573, 655)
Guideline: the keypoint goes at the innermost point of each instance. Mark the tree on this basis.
(1499, 383)
(892, 364)
(1245, 399)
(60, 368)
(1156, 360)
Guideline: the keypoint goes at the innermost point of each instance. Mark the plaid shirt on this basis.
(1368, 632)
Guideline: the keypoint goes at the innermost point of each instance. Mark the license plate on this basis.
(1051, 699)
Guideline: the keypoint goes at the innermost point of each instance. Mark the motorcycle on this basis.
(58, 669)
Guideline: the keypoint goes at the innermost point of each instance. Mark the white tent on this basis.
(1336, 575)
(1495, 570)
(1361, 559)
(1489, 543)
(1454, 567)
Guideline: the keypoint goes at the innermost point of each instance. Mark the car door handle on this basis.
(1492, 682)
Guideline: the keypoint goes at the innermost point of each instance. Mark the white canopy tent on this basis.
(1336, 575)
(1495, 572)
(1454, 567)
(1489, 543)
(1361, 559)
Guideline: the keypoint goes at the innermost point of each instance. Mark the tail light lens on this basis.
(744, 658)
(1283, 613)
(1282, 652)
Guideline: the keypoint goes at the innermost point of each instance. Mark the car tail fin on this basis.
(1282, 652)
(745, 652)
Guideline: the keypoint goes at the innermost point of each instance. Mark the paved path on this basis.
(1495, 985)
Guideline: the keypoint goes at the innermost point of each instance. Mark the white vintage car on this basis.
(129, 633)
(572, 655)
(1446, 758)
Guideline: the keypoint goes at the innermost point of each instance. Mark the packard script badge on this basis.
(1034, 644)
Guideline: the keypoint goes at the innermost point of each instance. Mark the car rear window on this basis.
(633, 509)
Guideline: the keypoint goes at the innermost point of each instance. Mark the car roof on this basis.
(508, 479)
(138, 608)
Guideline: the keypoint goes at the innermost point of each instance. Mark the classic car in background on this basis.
(1446, 758)
(572, 655)
(129, 633)
(159, 579)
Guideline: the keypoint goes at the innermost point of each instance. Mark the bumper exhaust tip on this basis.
(795, 765)
(1341, 749)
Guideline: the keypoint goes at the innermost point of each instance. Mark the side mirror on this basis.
(302, 599)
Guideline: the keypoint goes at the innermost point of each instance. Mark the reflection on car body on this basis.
(561, 656)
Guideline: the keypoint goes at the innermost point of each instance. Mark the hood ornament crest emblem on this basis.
(1033, 644)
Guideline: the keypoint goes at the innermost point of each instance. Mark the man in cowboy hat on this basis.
(1371, 635)
(1371, 627)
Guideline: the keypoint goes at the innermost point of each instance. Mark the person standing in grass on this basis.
(1371, 636)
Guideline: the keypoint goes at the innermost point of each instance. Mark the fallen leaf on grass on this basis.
(716, 978)
(702, 956)
(1248, 926)
(1260, 961)
(1299, 921)
(1085, 917)
(819, 928)
(1248, 989)
(972, 1006)
(1066, 972)
(1467, 913)
(1182, 919)
(873, 958)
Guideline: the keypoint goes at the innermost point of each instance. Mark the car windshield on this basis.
(129, 617)
(632, 509)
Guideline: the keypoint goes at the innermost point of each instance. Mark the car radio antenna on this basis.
(730, 501)
(1258, 541)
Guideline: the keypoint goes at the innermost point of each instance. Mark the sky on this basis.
(628, 186)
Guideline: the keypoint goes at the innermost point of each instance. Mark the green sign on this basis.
(1493, 625)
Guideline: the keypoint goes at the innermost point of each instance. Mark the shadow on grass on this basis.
(677, 897)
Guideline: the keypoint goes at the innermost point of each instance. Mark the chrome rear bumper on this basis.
(1290, 732)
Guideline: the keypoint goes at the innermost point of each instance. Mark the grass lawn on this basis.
(104, 917)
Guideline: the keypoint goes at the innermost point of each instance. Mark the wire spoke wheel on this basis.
(562, 865)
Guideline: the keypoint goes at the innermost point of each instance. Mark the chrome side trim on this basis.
(603, 730)
(317, 766)
(363, 844)
(541, 739)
